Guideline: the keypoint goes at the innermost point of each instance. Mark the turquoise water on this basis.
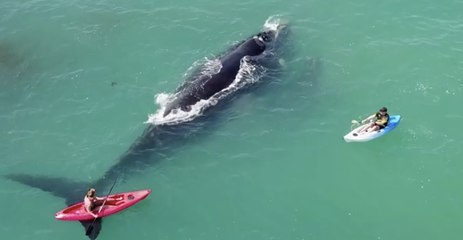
(78, 80)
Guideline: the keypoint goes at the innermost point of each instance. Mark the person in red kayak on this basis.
(380, 119)
(91, 201)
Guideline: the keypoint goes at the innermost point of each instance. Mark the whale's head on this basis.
(272, 39)
(273, 35)
(266, 37)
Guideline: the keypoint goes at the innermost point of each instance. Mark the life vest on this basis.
(381, 117)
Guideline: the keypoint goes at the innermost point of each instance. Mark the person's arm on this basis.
(87, 208)
(382, 121)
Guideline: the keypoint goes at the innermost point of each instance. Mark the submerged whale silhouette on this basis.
(157, 141)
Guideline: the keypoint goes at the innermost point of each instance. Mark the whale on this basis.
(205, 86)
(159, 141)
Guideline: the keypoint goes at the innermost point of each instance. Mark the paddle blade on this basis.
(89, 230)
(92, 228)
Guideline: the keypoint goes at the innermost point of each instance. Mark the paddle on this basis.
(366, 122)
(90, 228)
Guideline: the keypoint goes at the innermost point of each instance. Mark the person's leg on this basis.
(98, 203)
(369, 128)
(372, 128)
(110, 200)
(113, 201)
(118, 197)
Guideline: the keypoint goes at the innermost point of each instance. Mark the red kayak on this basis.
(115, 203)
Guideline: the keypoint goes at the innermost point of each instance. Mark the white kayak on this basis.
(360, 135)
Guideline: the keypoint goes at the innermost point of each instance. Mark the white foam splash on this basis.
(245, 76)
(177, 115)
(212, 67)
(274, 22)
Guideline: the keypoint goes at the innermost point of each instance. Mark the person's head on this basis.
(383, 110)
(91, 192)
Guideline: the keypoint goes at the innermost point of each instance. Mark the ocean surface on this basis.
(79, 80)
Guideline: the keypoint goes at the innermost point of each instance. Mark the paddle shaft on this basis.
(90, 228)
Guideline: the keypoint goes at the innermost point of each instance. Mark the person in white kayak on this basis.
(91, 201)
(380, 119)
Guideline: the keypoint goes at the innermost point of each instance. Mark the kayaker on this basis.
(380, 118)
(91, 201)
